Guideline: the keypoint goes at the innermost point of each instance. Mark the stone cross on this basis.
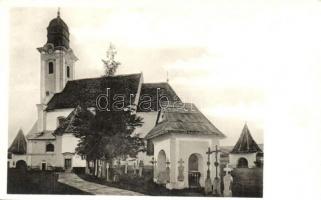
(227, 169)
(180, 170)
(208, 182)
(227, 181)
(167, 171)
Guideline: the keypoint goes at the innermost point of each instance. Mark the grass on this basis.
(247, 182)
(37, 182)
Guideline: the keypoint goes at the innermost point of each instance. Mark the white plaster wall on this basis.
(69, 143)
(250, 157)
(52, 117)
(149, 119)
(182, 146)
(39, 146)
(77, 161)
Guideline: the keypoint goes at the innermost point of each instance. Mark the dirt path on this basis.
(74, 181)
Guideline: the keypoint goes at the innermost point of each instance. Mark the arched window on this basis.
(68, 72)
(50, 148)
(50, 68)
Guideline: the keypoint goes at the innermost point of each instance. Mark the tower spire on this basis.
(58, 12)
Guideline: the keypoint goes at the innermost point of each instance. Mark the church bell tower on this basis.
(57, 60)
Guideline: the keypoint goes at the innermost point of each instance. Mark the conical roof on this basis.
(246, 143)
(19, 144)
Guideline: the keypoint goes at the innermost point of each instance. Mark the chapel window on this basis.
(50, 148)
(50, 66)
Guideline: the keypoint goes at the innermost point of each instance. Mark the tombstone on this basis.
(134, 167)
(96, 170)
(126, 167)
(141, 166)
(217, 186)
(99, 169)
(227, 180)
(180, 170)
(107, 172)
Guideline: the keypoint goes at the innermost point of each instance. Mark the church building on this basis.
(180, 133)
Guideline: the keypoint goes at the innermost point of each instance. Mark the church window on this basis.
(50, 65)
(50, 148)
(68, 72)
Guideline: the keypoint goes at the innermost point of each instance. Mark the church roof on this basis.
(74, 121)
(19, 144)
(183, 118)
(153, 90)
(85, 91)
(246, 144)
(44, 135)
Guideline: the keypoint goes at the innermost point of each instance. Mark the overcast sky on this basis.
(218, 54)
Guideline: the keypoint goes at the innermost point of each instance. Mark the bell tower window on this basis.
(68, 72)
(50, 68)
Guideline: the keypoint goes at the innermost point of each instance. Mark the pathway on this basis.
(73, 180)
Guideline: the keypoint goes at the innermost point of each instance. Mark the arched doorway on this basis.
(242, 163)
(195, 170)
(21, 165)
(161, 167)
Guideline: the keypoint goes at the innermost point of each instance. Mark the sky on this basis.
(218, 54)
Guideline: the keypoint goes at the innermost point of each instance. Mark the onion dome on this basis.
(58, 32)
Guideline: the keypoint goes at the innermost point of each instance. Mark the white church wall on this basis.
(250, 157)
(69, 143)
(149, 122)
(52, 117)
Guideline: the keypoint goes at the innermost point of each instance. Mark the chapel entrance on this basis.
(67, 164)
(161, 168)
(242, 163)
(194, 173)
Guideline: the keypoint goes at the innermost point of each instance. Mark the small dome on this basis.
(58, 33)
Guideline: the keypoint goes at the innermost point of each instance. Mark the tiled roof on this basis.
(85, 91)
(153, 90)
(19, 144)
(72, 123)
(187, 121)
(246, 143)
(45, 135)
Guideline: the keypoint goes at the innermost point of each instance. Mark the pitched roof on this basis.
(183, 118)
(246, 143)
(19, 144)
(73, 123)
(154, 90)
(44, 135)
(85, 91)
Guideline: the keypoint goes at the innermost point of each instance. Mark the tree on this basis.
(109, 136)
(110, 64)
